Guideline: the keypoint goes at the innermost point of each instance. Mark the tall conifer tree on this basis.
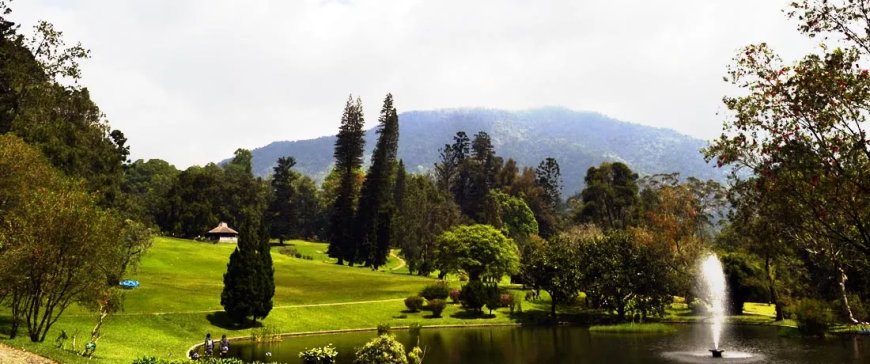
(374, 216)
(348, 155)
(249, 281)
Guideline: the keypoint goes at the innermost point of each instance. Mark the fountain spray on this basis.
(714, 279)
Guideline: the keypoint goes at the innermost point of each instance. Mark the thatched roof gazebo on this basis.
(223, 234)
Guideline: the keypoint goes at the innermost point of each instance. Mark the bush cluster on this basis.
(454, 295)
(476, 294)
(436, 306)
(813, 317)
(319, 355)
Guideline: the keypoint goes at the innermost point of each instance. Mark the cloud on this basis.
(191, 81)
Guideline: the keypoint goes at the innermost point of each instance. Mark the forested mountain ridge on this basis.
(578, 140)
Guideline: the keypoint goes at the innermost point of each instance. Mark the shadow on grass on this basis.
(472, 315)
(5, 326)
(222, 320)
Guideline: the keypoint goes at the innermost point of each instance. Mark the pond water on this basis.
(567, 344)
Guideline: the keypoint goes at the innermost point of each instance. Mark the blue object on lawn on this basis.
(128, 283)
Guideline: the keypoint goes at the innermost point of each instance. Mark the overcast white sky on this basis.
(190, 81)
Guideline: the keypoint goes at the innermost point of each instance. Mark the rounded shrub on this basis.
(436, 306)
(813, 317)
(414, 303)
(438, 290)
(319, 355)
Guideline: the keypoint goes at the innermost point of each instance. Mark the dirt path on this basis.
(9, 355)
(401, 261)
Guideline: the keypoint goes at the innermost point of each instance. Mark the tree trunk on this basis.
(842, 284)
(771, 286)
(620, 312)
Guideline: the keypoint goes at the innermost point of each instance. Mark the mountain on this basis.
(578, 140)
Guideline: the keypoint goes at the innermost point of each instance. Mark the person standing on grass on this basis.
(209, 345)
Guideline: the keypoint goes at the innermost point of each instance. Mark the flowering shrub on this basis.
(454, 295)
(321, 355)
(382, 350)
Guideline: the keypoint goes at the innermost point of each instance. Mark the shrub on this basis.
(698, 307)
(454, 295)
(813, 317)
(289, 251)
(438, 290)
(414, 303)
(383, 349)
(506, 300)
(383, 329)
(437, 306)
(855, 304)
(321, 355)
(472, 295)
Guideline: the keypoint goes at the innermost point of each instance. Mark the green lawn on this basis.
(179, 301)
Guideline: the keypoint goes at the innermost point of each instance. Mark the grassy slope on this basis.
(181, 282)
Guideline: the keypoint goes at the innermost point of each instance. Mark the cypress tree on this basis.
(265, 276)
(242, 279)
(374, 216)
(348, 157)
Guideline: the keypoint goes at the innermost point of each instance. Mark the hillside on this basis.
(577, 140)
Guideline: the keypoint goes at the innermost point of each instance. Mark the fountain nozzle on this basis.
(717, 353)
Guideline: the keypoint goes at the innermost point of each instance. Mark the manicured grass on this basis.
(631, 327)
(179, 301)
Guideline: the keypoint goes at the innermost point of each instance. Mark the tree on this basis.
(550, 179)
(800, 132)
(481, 251)
(511, 215)
(282, 214)
(525, 186)
(452, 156)
(374, 215)
(47, 220)
(624, 275)
(555, 267)
(348, 158)
(249, 280)
(145, 188)
(424, 213)
(610, 196)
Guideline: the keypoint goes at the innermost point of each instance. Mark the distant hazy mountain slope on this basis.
(577, 140)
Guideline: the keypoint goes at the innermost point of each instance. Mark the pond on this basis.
(568, 344)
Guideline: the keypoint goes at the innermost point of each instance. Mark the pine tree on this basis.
(374, 216)
(348, 155)
(265, 279)
(549, 177)
(241, 279)
(281, 213)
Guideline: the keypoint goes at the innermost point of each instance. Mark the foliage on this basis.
(813, 316)
(281, 215)
(373, 221)
(249, 281)
(626, 276)
(414, 303)
(319, 355)
(56, 245)
(610, 196)
(556, 267)
(476, 294)
(438, 290)
(510, 214)
(479, 250)
(745, 281)
(436, 306)
(423, 213)
(384, 349)
(348, 159)
(549, 177)
(383, 329)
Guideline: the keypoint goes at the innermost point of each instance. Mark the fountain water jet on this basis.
(714, 281)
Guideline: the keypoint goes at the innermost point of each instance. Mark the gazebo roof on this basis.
(222, 228)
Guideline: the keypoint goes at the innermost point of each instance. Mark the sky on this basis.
(191, 81)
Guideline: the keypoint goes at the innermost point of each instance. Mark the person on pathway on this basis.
(209, 345)
(224, 346)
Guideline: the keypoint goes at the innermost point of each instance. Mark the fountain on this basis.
(714, 281)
